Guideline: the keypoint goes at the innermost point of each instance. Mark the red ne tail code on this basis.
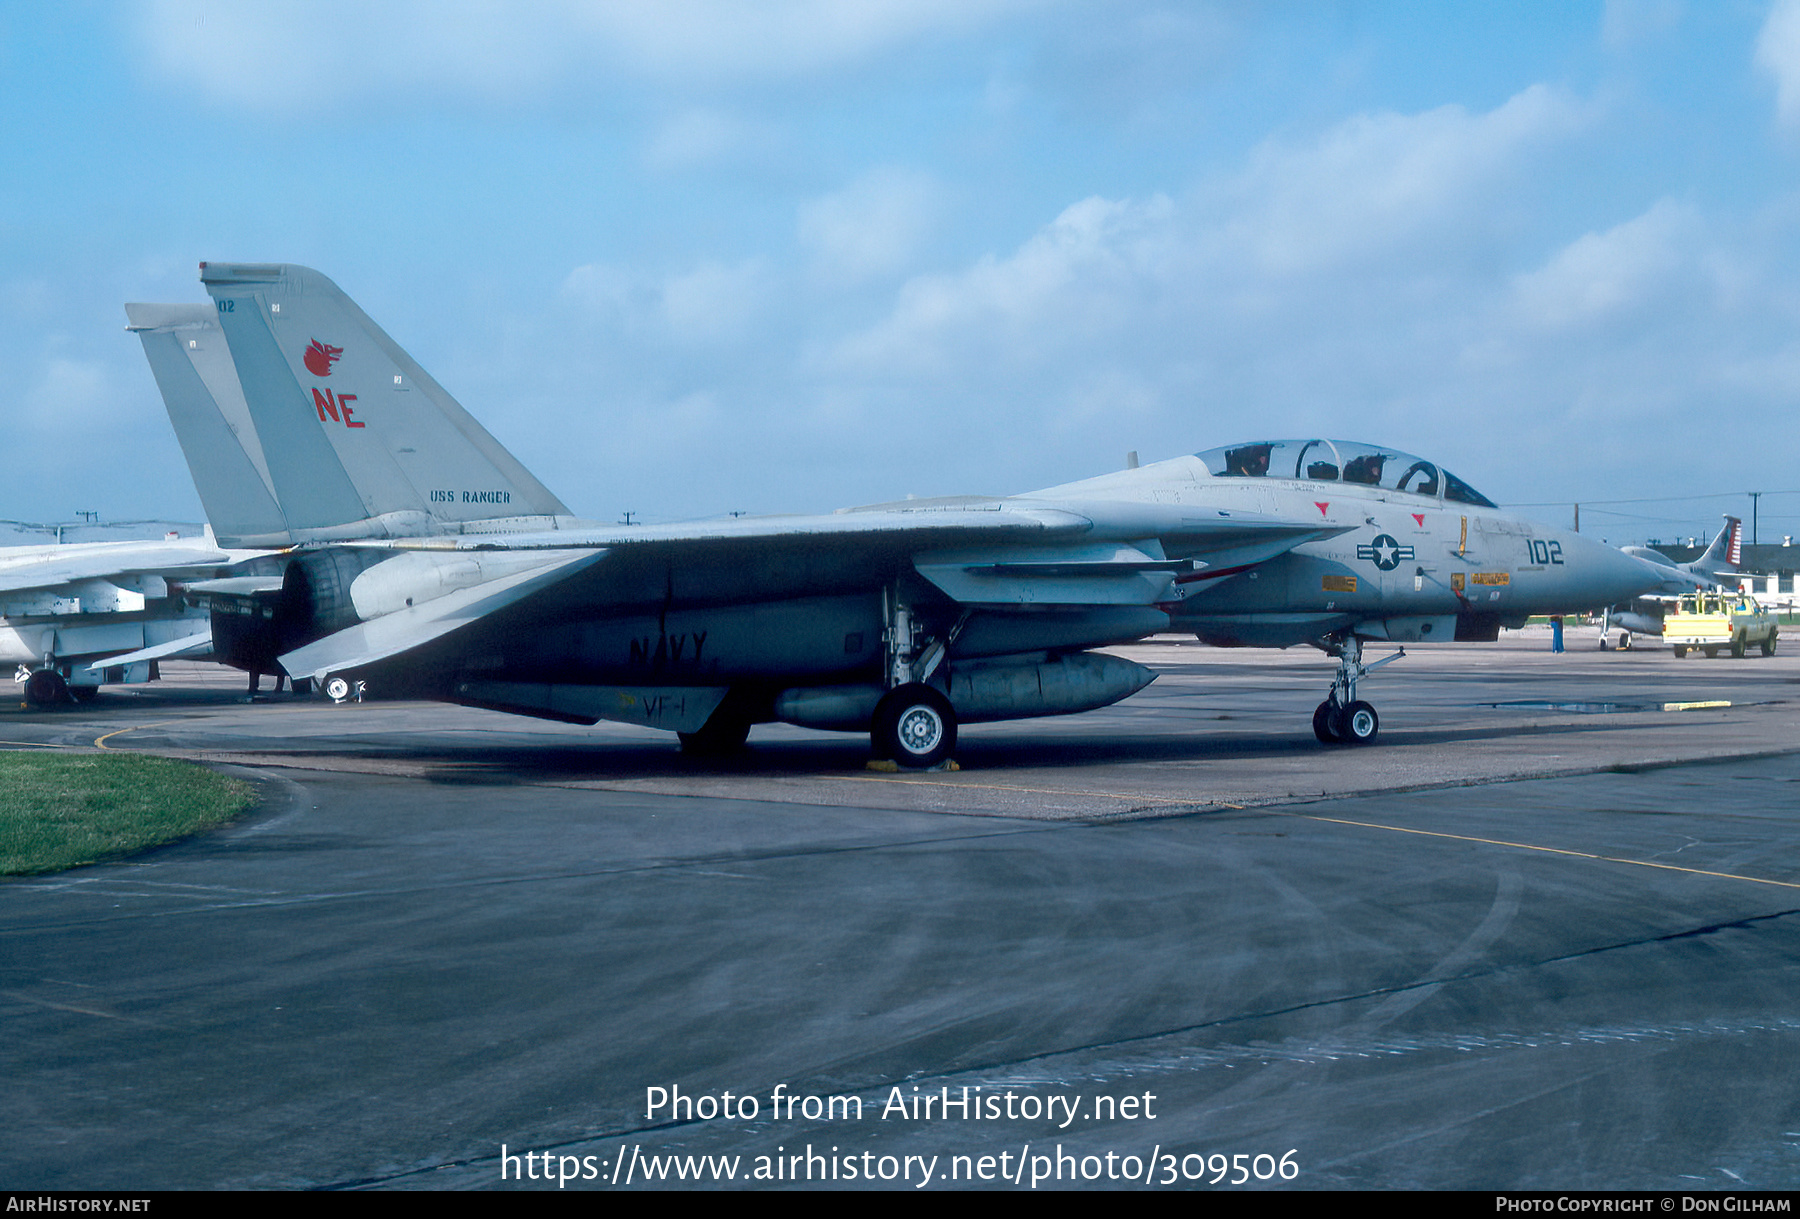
(330, 404)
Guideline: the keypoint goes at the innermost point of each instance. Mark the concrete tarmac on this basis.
(1542, 936)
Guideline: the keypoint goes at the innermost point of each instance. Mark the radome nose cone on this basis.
(1612, 575)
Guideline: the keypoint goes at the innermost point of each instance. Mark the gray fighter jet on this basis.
(425, 561)
(1718, 567)
(76, 615)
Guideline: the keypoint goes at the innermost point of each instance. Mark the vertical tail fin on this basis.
(199, 385)
(1726, 553)
(359, 440)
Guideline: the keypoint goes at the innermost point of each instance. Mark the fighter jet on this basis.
(427, 562)
(75, 615)
(1718, 567)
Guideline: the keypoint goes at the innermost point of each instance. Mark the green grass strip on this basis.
(60, 810)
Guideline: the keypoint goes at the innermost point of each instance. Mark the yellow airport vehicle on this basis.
(1719, 618)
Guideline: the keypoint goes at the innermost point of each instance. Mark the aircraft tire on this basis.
(84, 694)
(1358, 724)
(46, 688)
(1322, 717)
(337, 689)
(715, 737)
(914, 725)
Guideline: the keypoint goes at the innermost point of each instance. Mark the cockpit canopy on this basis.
(1341, 461)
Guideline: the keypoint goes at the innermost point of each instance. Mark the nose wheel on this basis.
(1344, 719)
(1356, 724)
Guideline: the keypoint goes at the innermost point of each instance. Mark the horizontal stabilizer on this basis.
(235, 586)
(368, 642)
(191, 645)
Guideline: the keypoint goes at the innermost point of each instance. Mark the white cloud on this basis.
(328, 53)
(67, 397)
(872, 227)
(716, 302)
(710, 304)
(704, 136)
(1627, 23)
(1068, 288)
(1364, 283)
(1778, 53)
(1619, 273)
(1377, 180)
(1301, 223)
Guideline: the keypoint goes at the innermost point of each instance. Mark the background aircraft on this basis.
(1720, 565)
(76, 615)
(901, 620)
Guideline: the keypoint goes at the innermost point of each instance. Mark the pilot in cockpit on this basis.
(1251, 461)
(1365, 469)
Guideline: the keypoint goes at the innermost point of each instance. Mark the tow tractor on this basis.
(1719, 618)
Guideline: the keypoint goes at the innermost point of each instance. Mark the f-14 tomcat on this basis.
(423, 560)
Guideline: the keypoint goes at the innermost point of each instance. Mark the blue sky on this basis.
(692, 257)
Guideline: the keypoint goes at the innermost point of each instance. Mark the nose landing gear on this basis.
(1344, 719)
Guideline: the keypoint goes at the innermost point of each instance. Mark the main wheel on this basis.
(914, 725)
(1322, 726)
(1359, 723)
(46, 688)
(1768, 643)
(337, 689)
(719, 735)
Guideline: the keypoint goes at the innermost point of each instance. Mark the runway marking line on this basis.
(68, 1007)
(100, 742)
(1527, 846)
(1007, 787)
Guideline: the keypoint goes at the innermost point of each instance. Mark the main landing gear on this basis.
(1344, 719)
(45, 688)
(914, 723)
